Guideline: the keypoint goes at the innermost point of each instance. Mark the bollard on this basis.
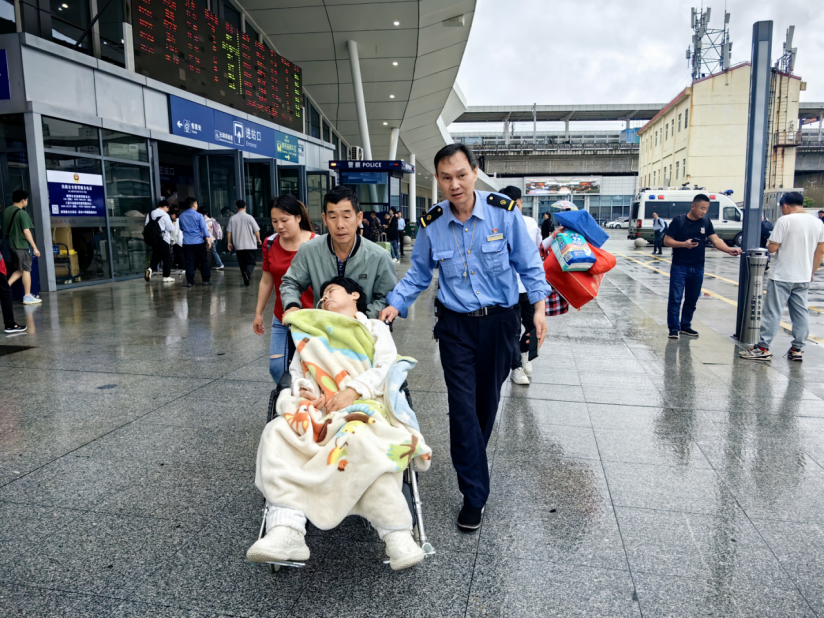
(751, 325)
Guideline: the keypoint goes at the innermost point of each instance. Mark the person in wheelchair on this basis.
(344, 433)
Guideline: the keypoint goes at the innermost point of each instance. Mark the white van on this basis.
(726, 217)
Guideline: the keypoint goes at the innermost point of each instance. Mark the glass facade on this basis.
(105, 245)
(70, 19)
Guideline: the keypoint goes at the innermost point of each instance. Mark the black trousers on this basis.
(178, 257)
(400, 239)
(247, 260)
(196, 255)
(5, 302)
(162, 253)
(476, 354)
(527, 315)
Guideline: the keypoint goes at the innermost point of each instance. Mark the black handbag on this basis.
(5, 249)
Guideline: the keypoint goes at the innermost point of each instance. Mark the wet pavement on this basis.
(636, 476)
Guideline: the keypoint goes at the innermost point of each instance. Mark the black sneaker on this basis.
(689, 332)
(207, 283)
(246, 278)
(11, 330)
(190, 285)
(673, 334)
(469, 519)
(794, 354)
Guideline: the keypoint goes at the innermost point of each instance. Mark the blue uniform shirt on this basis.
(499, 249)
(193, 226)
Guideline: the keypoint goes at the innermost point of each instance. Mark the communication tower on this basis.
(711, 48)
(786, 63)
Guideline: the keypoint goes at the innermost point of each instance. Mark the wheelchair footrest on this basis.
(297, 565)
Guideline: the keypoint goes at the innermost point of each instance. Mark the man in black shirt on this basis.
(688, 235)
(546, 226)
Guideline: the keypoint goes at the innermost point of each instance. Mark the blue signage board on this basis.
(373, 166)
(363, 178)
(75, 195)
(287, 147)
(203, 123)
(5, 89)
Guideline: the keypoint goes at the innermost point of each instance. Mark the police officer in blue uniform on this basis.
(479, 242)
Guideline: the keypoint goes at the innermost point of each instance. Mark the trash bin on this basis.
(751, 324)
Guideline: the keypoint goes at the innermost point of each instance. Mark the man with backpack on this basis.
(17, 227)
(659, 226)
(157, 233)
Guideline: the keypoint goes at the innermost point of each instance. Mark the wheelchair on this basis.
(410, 476)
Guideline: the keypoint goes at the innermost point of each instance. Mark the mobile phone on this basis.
(698, 240)
(533, 344)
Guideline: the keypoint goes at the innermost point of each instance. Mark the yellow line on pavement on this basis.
(784, 325)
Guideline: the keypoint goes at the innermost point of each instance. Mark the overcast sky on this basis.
(617, 51)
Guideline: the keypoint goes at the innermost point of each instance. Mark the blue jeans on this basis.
(685, 284)
(658, 242)
(278, 350)
(215, 256)
(395, 254)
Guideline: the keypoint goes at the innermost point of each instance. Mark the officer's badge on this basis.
(500, 201)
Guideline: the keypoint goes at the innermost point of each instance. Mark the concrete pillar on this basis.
(393, 143)
(434, 189)
(360, 104)
(413, 191)
(566, 128)
(39, 200)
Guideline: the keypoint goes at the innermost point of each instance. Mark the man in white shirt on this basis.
(797, 240)
(161, 252)
(401, 230)
(521, 366)
(243, 236)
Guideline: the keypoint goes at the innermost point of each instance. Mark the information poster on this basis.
(562, 185)
(75, 195)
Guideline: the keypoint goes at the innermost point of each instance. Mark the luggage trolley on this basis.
(410, 477)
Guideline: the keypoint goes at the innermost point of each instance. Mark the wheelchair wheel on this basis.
(273, 399)
(406, 488)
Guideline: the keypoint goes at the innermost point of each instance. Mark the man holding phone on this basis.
(688, 235)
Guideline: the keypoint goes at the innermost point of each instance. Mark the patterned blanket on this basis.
(321, 463)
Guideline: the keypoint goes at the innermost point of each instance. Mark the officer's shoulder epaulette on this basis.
(431, 216)
(500, 201)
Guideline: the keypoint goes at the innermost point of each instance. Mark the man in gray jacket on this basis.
(341, 252)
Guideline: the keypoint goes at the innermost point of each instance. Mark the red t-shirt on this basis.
(277, 261)
(3, 266)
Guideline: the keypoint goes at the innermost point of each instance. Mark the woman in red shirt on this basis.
(293, 228)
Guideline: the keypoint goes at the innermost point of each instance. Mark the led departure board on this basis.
(187, 46)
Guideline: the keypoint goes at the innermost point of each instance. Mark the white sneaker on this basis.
(526, 363)
(219, 267)
(31, 299)
(280, 544)
(519, 377)
(168, 279)
(402, 550)
(148, 274)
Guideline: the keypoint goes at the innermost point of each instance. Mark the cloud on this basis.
(595, 52)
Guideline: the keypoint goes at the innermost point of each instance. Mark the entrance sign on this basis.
(75, 195)
(203, 123)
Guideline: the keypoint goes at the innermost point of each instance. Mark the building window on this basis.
(70, 136)
(231, 16)
(69, 21)
(656, 138)
(251, 32)
(676, 170)
(654, 175)
(686, 118)
(669, 178)
(336, 144)
(679, 123)
(673, 128)
(314, 120)
(684, 168)
(326, 137)
(666, 131)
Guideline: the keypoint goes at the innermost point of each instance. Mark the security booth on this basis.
(376, 183)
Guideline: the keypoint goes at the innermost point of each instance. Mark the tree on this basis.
(809, 202)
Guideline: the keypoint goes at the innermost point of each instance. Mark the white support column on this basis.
(393, 143)
(434, 190)
(413, 192)
(360, 105)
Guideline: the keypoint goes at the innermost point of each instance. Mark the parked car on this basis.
(622, 222)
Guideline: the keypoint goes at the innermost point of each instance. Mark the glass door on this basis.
(317, 184)
(257, 178)
(292, 181)
(218, 180)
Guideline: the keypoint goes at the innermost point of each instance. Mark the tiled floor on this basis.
(636, 476)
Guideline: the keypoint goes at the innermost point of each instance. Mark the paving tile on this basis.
(513, 587)
(647, 445)
(623, 395)
(129, 609)
(20, 600)
(517, 413)
(557, 392)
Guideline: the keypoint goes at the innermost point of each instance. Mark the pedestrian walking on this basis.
(196, 243)
(479, 244)
(521, 365)
(688, 235)
(178, 258)
(797, 240)
(342, 252)
(293, 227)
(659, 226)
(375, 227)
(10, 326)
(401, 231)
(546, 226)
(17, 227)
(392, 234)
(243, 236)
(215, 233)
(163, 229)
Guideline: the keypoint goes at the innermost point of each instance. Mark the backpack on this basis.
(152, 234)
(217, 231)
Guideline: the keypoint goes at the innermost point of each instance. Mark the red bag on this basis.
(604, 261)
(578, 288)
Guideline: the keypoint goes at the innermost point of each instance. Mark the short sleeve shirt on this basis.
(276, 260)
(683, 228)
(17, 240)
(243, 226)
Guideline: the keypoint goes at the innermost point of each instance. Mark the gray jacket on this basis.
(315, 263)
